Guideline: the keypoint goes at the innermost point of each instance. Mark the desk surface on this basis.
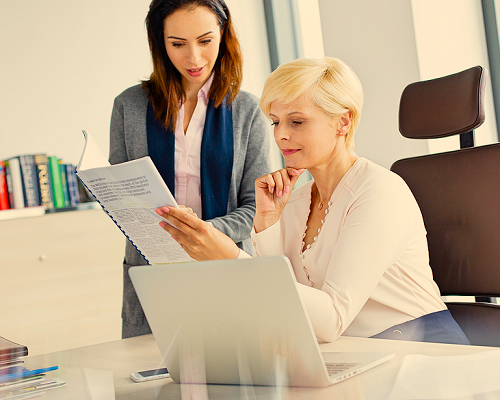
(141, 353)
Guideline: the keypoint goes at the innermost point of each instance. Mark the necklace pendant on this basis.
(320, 206)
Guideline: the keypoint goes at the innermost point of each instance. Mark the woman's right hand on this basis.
(272, 192)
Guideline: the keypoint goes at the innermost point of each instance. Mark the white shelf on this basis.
(15, 213)
(18, 213)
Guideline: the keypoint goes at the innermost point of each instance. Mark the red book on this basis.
(4, 194)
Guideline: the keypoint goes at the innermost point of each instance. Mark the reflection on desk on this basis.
(141, 353)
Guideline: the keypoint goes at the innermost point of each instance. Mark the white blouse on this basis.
(368, 268)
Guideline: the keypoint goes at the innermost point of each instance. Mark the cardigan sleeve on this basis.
(117, 150)
(127, 138)
(252, 160)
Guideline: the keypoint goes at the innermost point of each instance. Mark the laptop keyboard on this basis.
(337, 368)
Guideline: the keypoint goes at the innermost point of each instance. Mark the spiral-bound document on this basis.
(129, 193)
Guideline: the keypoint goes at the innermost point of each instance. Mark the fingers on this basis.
(280, 179)
(274, 182)
(295, 175)
(175, 233)
(184, 219)
(188, 210)
(279, 182)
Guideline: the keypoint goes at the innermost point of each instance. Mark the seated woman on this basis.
(354, 234)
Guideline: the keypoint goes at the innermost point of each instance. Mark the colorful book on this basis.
(4, 192)
(74, 195)
(44, 181)
(15, 183)
(30, 180)
(57, 189)
(64, 183)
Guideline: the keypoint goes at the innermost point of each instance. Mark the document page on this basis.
(448, 377)
(130, 192)
(92, 156)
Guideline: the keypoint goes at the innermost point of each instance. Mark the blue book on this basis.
(72, 180)
(30, 180)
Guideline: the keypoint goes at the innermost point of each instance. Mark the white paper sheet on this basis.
(92, 156)
(130, 192)
(447, 377)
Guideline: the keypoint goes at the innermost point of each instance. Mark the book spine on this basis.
(15, 183)
(44, 181)
(30, 181)
(4, 192)
(8, 179)
(74, 195)
(55, 174)
(64, 183)
(10, 350)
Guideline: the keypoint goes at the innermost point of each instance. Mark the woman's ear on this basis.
(344, 123)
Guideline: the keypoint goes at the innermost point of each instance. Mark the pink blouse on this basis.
(368, 267)
(188, 152)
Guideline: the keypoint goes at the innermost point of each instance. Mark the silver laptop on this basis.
(238, 322)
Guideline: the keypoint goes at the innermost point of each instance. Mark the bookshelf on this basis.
(27, 212)
(61, 283)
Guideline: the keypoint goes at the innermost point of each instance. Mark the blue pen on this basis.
(25, 373)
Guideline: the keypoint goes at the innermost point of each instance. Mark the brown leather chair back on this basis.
(459, 195)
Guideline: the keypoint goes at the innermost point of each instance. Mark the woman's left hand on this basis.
(200, 239)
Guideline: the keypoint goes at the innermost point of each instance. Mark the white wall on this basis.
(377, 39)
(391, 43)
(63, 63)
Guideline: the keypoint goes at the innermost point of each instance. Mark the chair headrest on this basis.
(445, 106)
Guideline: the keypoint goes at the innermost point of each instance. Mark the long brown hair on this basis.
(164, 86)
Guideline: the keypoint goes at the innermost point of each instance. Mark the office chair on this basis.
(459, 195)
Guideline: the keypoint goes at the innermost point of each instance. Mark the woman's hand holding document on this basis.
(129, 193)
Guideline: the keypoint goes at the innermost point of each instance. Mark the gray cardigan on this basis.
(128, 141)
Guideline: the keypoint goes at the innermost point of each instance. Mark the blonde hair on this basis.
(329, 83)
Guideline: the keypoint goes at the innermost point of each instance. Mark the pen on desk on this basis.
(39, 371)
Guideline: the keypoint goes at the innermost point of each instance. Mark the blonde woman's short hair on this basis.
(329, 82)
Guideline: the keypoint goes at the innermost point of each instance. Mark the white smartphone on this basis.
(149, 375)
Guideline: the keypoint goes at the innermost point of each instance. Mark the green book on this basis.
(57, 189)
(64, 181)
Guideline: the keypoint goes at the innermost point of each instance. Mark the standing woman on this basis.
(206, 137)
